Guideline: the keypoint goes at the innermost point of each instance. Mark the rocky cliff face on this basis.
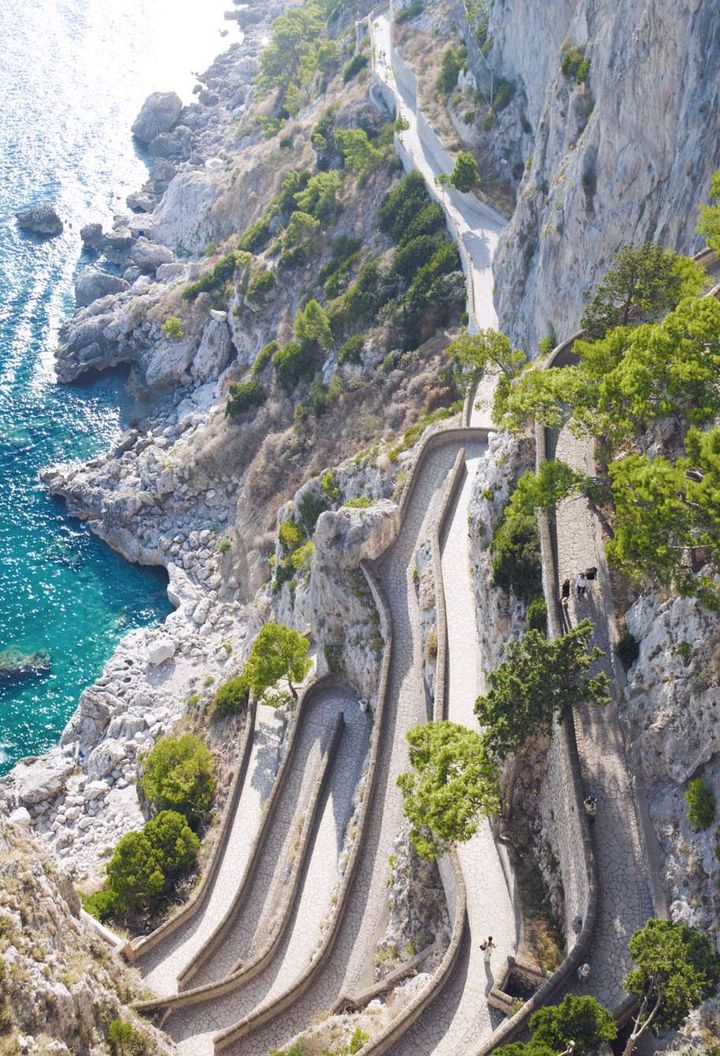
(59, 985)
(625, 156)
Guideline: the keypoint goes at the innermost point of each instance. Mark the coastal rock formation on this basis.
(59, 985)
(92, 284)
(624, 156)
(159, 113)
(40, 220)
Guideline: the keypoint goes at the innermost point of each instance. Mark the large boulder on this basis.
(92, 236)
(158, 114)
(149, 256)
(214, 351)
(162, 649)
(105, 758)
(183, 217)
(92, 284)
(41, 220)
(40, 780)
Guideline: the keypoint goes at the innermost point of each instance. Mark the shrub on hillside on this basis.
(700, 800)
(244, 396)
(178, 775)
(232, 697)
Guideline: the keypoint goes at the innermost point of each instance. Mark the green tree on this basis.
(178, 775)
(451, 785)
(452, 62)
(173, 328)
(539, 679)
(525, 1048)
(123, 1038)
(232, 697)
(465, 175)
(174, 843)
(244, 396)
(582, 1020)
(665, 511)
(319, 197)
(292, 363)
(277, 653)
(300, 230)
(359, 154)
(643, 283)
(677, 969)
(313, 326)
(134, 872)
(486, 350)
(709, 222)
(701, 804)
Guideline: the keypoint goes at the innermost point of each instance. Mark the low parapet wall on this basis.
(136, 949)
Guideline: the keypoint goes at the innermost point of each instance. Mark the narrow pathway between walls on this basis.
(625, 860)
(459, 1016)
(162, 966)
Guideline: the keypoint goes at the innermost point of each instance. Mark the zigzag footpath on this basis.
(293, 872)
(345, 961)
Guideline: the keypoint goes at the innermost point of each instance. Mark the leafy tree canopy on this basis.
(643, 283)
(580, 1019)
(486, 350)
(178, 775)
(277, 652)
(313, 326)
(359, 154)
(539, 679)
(134, 872)
(465, 175)
(451, 785)
(677, 969)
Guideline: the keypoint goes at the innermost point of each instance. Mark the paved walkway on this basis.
(626, 899)
(459, 1018)
(349, 966)
(192, 1028)
(474, 225)
(163, 964)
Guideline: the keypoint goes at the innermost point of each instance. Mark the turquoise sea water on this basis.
(73, 74)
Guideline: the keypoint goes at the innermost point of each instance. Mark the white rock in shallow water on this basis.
(162, 649)
(159, 113)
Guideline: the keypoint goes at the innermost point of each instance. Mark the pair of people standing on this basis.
(582, 581)
(487, 947)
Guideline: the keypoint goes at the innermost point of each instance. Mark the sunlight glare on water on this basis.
(73, 75)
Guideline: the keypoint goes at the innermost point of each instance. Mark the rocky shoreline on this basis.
(79, 797)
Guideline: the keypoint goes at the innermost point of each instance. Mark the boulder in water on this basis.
(93, 284)
(16, 666)
(92, 236)
(158, 114)
(41, 220)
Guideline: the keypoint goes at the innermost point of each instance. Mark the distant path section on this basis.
(475, 227)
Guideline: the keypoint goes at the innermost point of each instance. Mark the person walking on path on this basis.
(581, 584)
(487, 947)
(565, 592)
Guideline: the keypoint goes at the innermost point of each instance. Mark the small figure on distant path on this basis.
(581, 584)
(584, 972)
(565, 592)
(487, 947)
(591, 573)
(590, 803)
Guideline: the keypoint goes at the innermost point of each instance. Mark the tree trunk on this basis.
(292, 690)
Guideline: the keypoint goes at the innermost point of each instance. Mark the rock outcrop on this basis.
(624, 156)
(40, 220)
(159, 113)
(59, 985)
(92, 284)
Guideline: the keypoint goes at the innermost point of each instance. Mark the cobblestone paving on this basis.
(349, 966)
(625, 886)
(192, 1028)
(163, 964)
(459, 1017)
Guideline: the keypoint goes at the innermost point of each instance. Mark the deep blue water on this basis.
(73, 74)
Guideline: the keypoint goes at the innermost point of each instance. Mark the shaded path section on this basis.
(624, 867)
(192, 1028)
(162, 965)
